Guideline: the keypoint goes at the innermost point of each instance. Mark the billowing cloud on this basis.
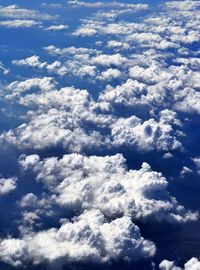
(104, 183)
(115, 82)
(107, 196)
(87, 238)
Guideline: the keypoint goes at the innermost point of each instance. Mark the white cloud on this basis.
(85, 32)
(197, 163)
(52, 129)
(110, 73)
(59, 27)
(117, 44)
(15, 12)
(3, 69)
(167, 265)
(87, 238)
(107, 60)
(192, 264)
(7, 185)
(182, 5)
(34, 62)
(104, 183)
(19, 23)
(146, 136)
(114, 4)
(153, 75)
(43, 84)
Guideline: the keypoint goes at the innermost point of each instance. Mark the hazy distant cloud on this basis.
(197, 163)
(114, 4)
(52, 5)
(183, 6)
(19, 23)
(59, 27)
(15, 12)
(4, 69)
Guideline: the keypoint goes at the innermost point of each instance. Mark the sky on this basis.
(100, 135)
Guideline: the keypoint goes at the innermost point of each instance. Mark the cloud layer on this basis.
(99, 134)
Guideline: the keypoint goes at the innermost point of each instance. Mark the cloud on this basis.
(105, 190)
(185, 5)
(197, 163)
(192, 264)
(85, 32)
(79, 62)
(146, 136)
(63, 118)
(104, 183)
(15, 12)
(19, 23)
(16, 88)
(167, 265)
(114, 4)
(108, 60)
(3, 69)
(34, 62)
(142, 76)
(84, 239)
(7, 185)
(110, 73)
(59, 27)
(50, 130)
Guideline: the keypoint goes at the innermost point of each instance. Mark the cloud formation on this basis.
(115, 82)
(7, 185)
(88, 238)
(192, 264)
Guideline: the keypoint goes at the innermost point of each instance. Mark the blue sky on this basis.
(99, 134)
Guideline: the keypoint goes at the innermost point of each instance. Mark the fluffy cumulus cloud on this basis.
(104, 183)
(108, 198)
(192, 264)
(88, 238)
(99, 134)
(69, 118)
(146, 136)
(7, 185)
(113, 4)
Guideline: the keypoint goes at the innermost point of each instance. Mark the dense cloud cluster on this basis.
(108, 197)
(82, 183)
(88, 238)
(102, 134)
